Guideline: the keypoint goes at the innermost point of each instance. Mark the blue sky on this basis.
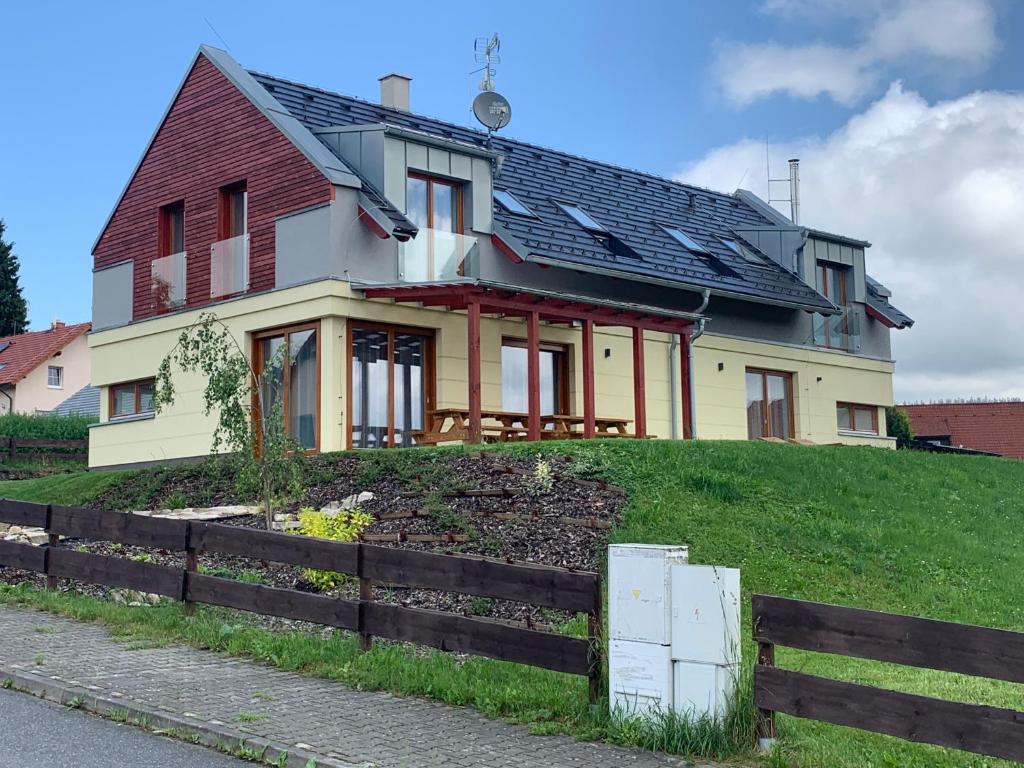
(689, 88)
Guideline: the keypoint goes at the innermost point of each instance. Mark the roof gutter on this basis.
(678, 284)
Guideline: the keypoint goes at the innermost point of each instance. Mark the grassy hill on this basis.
(908, 532)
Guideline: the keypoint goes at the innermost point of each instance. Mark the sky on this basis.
(908, 117)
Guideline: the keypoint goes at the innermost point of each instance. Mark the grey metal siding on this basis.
(112, 291)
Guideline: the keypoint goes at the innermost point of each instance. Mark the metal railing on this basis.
(437, 255)
(229, 266)
(167, 281)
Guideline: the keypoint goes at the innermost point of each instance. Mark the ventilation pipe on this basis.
(394, 91)
(794, 190)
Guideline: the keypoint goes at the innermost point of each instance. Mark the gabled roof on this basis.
(633, 206)
(996, 427)
(22, 354)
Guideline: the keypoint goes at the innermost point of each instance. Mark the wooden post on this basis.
(684, 378)
(589, 431)
(191, 566)
(365, 596)
(52, 542)
(639, 387)
(533, 374)
(765, 717)
(473, 338)
(595, 630)
(12, 449)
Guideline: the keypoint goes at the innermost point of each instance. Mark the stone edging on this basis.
(213, 734)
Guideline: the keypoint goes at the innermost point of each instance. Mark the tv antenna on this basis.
(491, 108)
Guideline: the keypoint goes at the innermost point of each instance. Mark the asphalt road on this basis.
(38, 734)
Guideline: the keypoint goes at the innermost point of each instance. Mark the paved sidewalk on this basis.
(205, 692)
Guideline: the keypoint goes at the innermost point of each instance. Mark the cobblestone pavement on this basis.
(316, 716)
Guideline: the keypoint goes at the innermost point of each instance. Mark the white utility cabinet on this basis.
(638, 591)
(674, 641)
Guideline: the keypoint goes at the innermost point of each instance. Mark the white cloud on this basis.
(939, 189)
(926, 33)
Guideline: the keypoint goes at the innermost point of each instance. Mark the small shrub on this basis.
(587, 464)
(142, 557)
(46, 426)
(342, 526)
(542, 482)
(897, 424)
(481, 606)
(176, 500)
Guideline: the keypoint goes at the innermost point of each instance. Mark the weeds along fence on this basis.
(940, 645)
(42, 449)
(537, 585)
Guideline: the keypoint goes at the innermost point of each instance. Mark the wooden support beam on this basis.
(684, 382)
(533, 374)
(639, 387)
(589, 430)
(473, 337)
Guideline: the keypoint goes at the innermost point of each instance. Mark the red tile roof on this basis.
(22, 354)
(995, 427)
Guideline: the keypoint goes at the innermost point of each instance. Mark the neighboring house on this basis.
(85, 402)
(38, 370)
(993, 427)
(407, 265)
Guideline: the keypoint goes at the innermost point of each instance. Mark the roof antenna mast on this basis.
(491, 108)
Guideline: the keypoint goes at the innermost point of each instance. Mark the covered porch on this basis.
(475, 424)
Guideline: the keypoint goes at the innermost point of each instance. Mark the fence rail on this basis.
(484, 577)
(34, 448)
(907, 640)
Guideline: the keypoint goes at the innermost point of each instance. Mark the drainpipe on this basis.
(673, 371)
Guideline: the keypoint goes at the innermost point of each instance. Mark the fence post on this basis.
(52, 542)
(365, 596)
(191, 566)
(595, 630)
(11, 448)
(765, 717)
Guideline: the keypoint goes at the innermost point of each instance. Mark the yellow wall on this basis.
(134, 352)
(821, 378)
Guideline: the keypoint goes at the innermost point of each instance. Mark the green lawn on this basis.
(71, 488)
(907, 532)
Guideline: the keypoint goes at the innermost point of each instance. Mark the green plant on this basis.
(176, 500)
(76, 702)
(269, 461)
(481, 606)
(116, 546)
(542, 481)
(446, 518)
(46, 426)
(40, 659)
(247, 575)
(81, 548)
(340, 526)
(118, 715)
(897, 424)
(249, 717)
(142, 557)
(587, 464)
(262, 696)
(7, 684)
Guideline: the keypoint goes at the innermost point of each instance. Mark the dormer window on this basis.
(512, 204)
(583, 218)
(686, 241)
(743, 251)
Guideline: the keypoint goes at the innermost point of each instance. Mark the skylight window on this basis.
(582, 218)
(741, 250)
(511, 203)
(686, 241)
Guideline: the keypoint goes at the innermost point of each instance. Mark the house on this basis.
(431, 282)
(996, 427)
(84, 402)
(38, 370)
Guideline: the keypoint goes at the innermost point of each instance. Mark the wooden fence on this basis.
(39, 449)
(940, 645)
(537, 585)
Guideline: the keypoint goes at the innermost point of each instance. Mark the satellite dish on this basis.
(492, 109)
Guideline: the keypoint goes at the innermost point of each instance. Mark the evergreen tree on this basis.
(13, 307)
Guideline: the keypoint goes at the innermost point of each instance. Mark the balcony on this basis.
(840, 331)
(434, 255)
(229, 266)
(167, 282)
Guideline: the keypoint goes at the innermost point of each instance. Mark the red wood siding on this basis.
(212, 136)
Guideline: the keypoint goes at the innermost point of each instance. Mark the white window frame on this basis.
(60, 376)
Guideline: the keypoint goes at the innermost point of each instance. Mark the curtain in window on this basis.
(302, 385)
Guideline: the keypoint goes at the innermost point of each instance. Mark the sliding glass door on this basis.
(554, 377)
(288, 361)
(391, 384)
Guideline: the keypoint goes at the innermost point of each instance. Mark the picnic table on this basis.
(449, 425)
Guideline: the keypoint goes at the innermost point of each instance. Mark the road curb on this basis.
(190, 730)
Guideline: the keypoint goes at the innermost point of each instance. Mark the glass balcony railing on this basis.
(229, 266)
(840, 331)
(167, 282)
(435, 255)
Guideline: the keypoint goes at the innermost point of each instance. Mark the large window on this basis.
(833, 331)
(851, 417)
(288, 359)
(432, 203)
(440, 249)
(554, 378)
(133, 398)
(391, 384)
(769, 404)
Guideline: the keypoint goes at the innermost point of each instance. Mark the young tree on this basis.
(270, 463)
(897, 424)
(13, 307)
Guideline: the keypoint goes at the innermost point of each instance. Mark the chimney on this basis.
(794, 190)
(394, 91)
(57, 323)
